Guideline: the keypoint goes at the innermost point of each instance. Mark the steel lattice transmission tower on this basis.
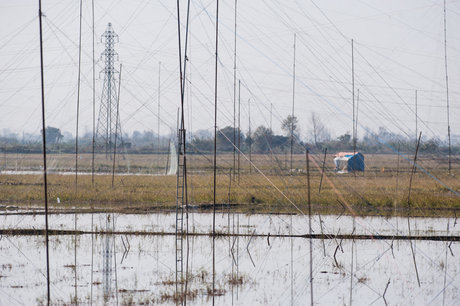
(108, 124)
(108, 245)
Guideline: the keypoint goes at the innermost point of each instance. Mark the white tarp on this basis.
(341, 164)
(172, 159)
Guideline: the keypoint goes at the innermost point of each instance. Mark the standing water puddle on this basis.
(250, 270)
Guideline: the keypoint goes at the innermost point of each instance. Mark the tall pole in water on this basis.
(447, 84)
(234, 94)
(353, 94)
(181, 175)
(215, 120)
(215, 159)
(93, 147)
(158, 111)
(94, 102)
(45, 179)
(293, 100)
(239, 127)
(309, 226)
(76, 149)
(78, 102)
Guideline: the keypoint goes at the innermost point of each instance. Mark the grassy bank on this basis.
(381, 190)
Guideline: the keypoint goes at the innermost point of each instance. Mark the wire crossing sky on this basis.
(398, 45)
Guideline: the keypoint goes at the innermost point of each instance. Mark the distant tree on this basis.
(319, 131)
(290, 123)
(225, 143)
(137, 137)
(344, 139)
(262, 139)
(149, 137)
(53, 135)
(431, 145)
(249, 140)
(279, 142)
(204, 134)
(201, 145)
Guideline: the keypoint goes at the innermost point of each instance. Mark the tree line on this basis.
(262, 140)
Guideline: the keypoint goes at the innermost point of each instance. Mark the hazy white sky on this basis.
(399, 47)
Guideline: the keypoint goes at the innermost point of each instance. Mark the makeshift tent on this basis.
(346, 162)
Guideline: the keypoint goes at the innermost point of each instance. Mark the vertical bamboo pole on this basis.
(45, 178)
(309, 226)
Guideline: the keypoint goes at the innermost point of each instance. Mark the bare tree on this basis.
(319, 131)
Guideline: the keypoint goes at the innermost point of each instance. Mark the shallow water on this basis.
(274, 271)
(260, 223)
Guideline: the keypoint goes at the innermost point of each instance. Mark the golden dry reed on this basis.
(141, 185)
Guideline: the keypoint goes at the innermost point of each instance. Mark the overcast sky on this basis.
(399, 47)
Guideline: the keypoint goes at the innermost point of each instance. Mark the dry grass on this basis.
(279, 191)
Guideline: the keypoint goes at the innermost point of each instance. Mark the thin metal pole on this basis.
(115, 257)
(75, 259)
(409, 206)
(293, 100)
(447, 83)
(92, 257)
(445, 268)
(76, 149)
(357, 115)
(413, 169)
(45, 178)
(182, 153)
(353, 94)
(292, 261)
(237, 252)
(178, 120)
(416, 118)
(94, 103)
(309, 226)
(351, 270)
(229, 196)
(239, 127)
(167, 158)
(215, 122)
(78, 101)
(215, 159)
(116, 128)
(397, 187)
(181, 77)
(271, 132)
(271, 117)
(159, 95)
(250, 138)
(93, 148)
(234, 93)
(322, 171)
(397, 174)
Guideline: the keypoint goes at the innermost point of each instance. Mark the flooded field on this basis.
(249, 270)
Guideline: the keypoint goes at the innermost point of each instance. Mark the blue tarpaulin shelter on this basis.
(348, 162)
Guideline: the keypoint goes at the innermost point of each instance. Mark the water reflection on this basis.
(249, 270)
